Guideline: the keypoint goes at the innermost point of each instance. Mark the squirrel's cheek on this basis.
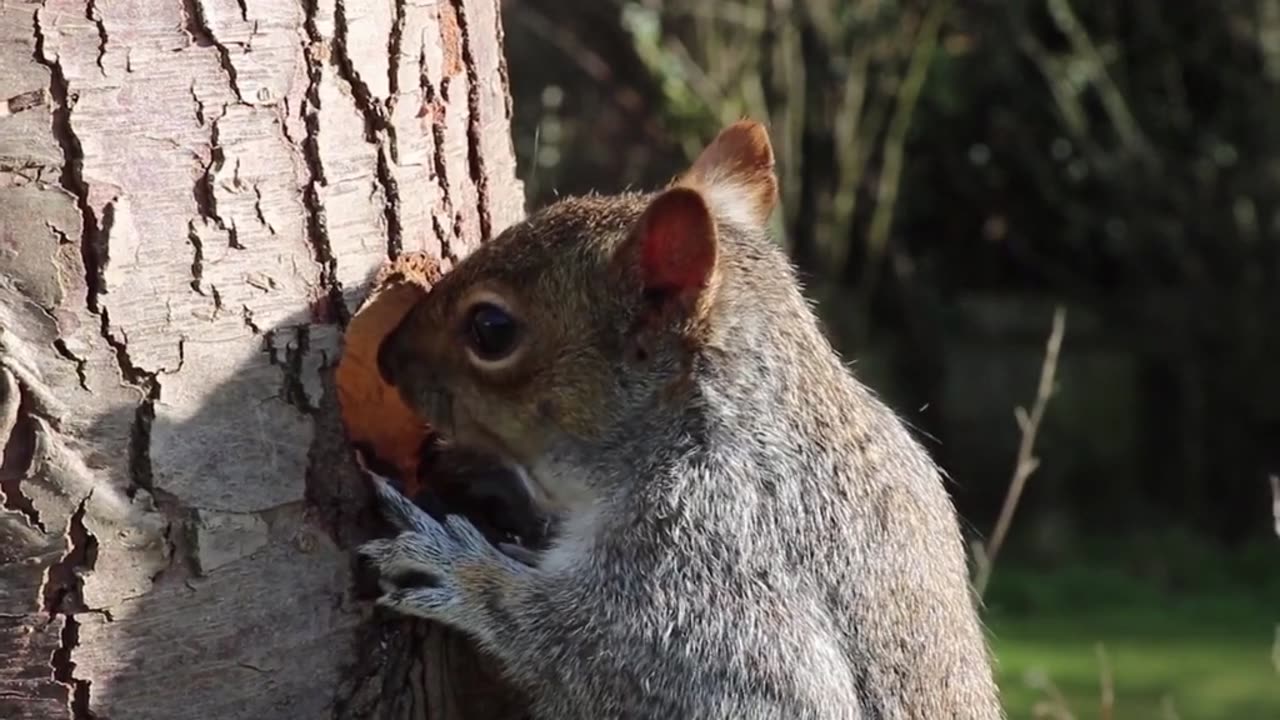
(547, 409)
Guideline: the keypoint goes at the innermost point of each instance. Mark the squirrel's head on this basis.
(550, 341)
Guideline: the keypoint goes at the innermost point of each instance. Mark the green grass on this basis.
(1210, 668)
(1207, 651)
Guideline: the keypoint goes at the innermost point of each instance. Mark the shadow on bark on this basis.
(237, 613)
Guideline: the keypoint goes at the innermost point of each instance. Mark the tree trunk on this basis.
(193, 196)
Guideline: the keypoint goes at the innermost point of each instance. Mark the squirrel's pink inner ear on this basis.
(676, 246)
(736, 173)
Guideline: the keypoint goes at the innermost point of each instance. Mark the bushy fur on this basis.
(745, 532)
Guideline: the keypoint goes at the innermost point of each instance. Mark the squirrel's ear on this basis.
(735, 173)
(672, 250)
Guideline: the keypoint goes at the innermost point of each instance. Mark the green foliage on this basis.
(688, 113)
(1142, 569)
(1197, 640)
(1120, 158)
(1208, 660)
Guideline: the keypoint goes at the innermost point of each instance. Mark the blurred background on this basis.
(951, 173)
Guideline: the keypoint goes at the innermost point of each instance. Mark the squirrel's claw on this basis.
(399, 510)
(404, 555)
(461, 562)
(431, 603)
(402, 560)
(520, 554)
(462, 567)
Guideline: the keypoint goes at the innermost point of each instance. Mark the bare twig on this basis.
(697, 79)
(1269, 37)
(1275, 502)
(1275, 650)
(1055, 704)
(1275, 512)
(628, 98)
(1113, 100)
(981, 560)
(736, 15)
(895, 143)
(1027, 462)
(1107, 701)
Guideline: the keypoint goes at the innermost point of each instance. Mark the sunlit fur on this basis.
(747, 531)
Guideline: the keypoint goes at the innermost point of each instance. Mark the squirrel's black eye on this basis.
(492, 332)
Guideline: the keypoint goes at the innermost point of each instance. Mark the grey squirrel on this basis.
(744, 531)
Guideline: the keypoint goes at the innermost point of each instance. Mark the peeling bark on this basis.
(193, 197)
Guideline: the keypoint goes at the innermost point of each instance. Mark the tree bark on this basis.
(193, 196)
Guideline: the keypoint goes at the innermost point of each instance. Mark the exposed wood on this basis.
(193, 195)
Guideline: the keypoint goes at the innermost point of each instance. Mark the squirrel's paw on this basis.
(464, 566)
(437, 550)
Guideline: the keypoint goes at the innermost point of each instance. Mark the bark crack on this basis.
(197, 256)
(195, 97)
(377, 124)
(434, 104)
(64, 669)
(504, 77)
(201, 32)
(207, 202)
(257, 209)
(93, 237)
(148, 382)
(59, 233)
(284, 109)
(395, 41)
(288, 353)
(61, 346)
(131, 373)
(246, 314)
(217, 300)
(391, 197)
(475, 150)
(317, 225)
(63, 594)
(182, 357)
(140, 474)
(91, 13)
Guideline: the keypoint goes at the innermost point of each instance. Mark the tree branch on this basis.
(1275, 502)
(895, 144)
(1027, 462)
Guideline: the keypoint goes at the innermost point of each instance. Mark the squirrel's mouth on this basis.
(456, 430)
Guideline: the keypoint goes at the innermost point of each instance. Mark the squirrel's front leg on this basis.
(471, 575)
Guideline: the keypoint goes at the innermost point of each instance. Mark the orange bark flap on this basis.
(375, 417)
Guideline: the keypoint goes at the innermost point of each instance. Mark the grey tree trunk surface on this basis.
(193, 196)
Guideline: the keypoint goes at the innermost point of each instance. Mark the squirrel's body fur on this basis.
(748, 532)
